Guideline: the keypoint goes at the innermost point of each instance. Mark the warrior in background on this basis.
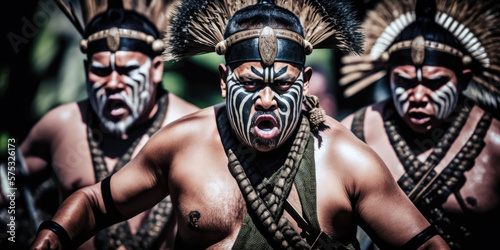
(83, 142)
(442, 147)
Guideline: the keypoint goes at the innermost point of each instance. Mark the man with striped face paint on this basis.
(440, 144)
(258, 171)
(121, 86)
(264, 104)
(425, 96)
(83, 142)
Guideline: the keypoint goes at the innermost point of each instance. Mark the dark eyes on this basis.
(436, 83)
(280, 86)
(251, 85)
(430, 83)
(405, 82)
(100, 71)
(104, 71)
(126, 70)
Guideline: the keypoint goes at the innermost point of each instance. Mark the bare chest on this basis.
(73, 159)
(471, 178)
(209, 204)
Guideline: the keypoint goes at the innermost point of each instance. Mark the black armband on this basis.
(420, 238)
(112, 213)
(58, 230)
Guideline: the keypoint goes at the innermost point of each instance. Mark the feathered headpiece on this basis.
(199, 26)
(131, 25)
(454, 33)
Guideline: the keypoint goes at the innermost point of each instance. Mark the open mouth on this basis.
(116, 108)
(266, 127)
(419, 117)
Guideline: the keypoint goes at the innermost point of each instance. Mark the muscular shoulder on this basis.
(492, 139)
(184, 132)
(178, 108)
(54, 122)
(373, 113)
(341, 153)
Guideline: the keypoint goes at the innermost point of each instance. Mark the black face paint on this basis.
(239, 104)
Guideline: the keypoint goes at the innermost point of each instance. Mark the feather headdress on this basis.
(154, 13)
(474, 24)
(198, 26)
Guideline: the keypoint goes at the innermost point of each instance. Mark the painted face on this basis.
(120, 88)
(264, 104)
(424, 97)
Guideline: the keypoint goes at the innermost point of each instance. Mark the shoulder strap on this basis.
(358, 124)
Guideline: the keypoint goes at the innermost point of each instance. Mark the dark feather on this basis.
(197, 26)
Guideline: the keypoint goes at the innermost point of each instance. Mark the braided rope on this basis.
(434, 189)
(269, 209)
(120, 234)
(416, 172)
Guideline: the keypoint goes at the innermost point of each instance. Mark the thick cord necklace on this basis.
(119, 234)
(431, 190)
(265, 200)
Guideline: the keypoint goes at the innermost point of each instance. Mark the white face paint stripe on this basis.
(112, 62)
(271, 76)
(249, 122)
(444, 100)
(400, 99)
(238, 125)
(289, 107)
(132, 63)
(289, 126)
(419, 75)
(97, 65)
(141, 92)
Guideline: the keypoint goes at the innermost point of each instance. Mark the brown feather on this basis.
(480, 17)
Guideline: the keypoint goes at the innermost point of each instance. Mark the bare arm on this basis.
(135, 188)
(36, 147)
(378, 204)
(386, 214)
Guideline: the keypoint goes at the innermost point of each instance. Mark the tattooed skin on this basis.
(444, 99)
(239, 104)
(135, 98)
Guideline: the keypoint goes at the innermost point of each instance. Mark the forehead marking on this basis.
(112, 61)
(419, 74)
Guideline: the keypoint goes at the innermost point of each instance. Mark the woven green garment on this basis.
(249, 236)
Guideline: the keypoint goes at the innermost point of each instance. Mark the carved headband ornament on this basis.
(113, 25)
(114, 34)
(418, 46)
(267, 45)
